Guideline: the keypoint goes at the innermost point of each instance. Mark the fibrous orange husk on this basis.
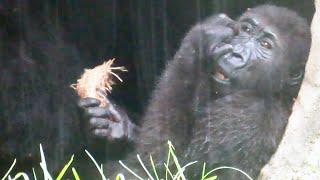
(98, 81)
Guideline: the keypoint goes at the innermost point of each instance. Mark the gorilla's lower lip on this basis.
(220, 77)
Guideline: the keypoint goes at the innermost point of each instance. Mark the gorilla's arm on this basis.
(172, 98)
(171, 103)
(171, 111)
(170, 114)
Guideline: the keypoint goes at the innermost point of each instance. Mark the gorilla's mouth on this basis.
(221, 77)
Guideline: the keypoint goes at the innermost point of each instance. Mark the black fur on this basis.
(240, 128)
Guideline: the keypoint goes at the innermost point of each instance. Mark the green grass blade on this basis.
(212, 178)
(96, 164)
(175, 159)
(10, 169)
(65, 168)
(232, 168)
(180, 171)
(154, 167)
(75, 174)
(168, 161)
(203, 171)
(168, 170)
(144, 167)
(21, 174)
(132, 172)
(120, 177)
(43, 165)
(34, 174)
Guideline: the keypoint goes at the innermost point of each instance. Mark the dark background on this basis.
(45, 45)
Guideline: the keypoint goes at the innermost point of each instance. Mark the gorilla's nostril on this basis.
(237, 56)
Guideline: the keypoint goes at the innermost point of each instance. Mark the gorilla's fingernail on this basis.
(98, 111)
(99, 122)
(222, 15)
(101, 132)
(229, 46)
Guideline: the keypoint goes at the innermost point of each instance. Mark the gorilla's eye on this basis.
(265, 44)
(246, 28)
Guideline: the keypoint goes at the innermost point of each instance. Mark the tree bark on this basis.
(298, 155)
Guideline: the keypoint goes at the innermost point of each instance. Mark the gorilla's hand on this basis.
(220, 50)
(109, 122)
(211, 33)
(219, 29)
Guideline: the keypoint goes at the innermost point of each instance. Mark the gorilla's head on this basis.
(268, 52)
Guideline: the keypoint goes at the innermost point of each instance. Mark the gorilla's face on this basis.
(254, 58)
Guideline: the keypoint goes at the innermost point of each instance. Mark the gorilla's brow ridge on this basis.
(270, 34)
(267, 32)
(251, 21)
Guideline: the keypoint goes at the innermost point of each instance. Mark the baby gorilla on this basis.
(225, 97)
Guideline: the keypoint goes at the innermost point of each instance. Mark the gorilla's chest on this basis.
(239, 128)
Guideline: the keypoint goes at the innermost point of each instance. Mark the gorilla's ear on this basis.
(295, 77)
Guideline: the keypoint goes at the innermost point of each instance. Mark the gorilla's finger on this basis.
(99, 123)
(98, 111)
(228, 22)
(225, 19)
(88, 102)
(101, 132)
(227, 33)
(220, 34)
(217, 52)
(220, 19)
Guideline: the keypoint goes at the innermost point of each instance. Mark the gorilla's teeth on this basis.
(220, 75)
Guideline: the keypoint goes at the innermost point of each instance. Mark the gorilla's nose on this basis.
(240, 56)
(238, 49)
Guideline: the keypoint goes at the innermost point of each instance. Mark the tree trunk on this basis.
(298, 155)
